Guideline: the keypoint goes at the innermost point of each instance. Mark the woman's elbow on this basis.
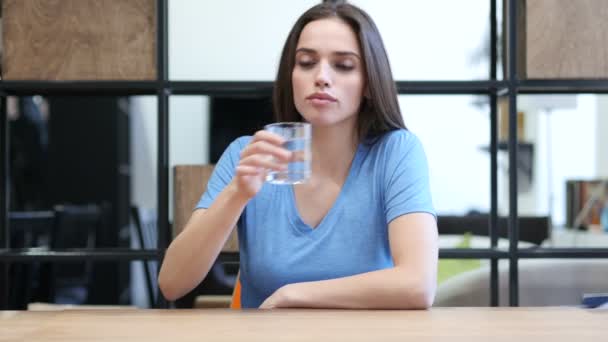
(167, 288)
(423, 299)
(419, 297)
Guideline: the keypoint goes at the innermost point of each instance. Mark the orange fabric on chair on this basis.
(236, 295)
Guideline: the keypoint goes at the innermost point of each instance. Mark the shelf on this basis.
(504, 146)
(38, 254)
(554, 253)
(264, 88)
(105, 254)
(93, 88)
(472, 253)
(220, 88)
(448, 87)
(252, 89)
(570, 86)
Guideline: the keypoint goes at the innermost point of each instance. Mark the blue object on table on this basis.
(604, 217)
(595, 300)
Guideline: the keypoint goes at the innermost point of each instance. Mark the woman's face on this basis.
(328, 77)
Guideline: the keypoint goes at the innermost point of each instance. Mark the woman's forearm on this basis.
(391, 288)
(191, 255)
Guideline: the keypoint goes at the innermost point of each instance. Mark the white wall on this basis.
(602, 136)
(432, 39)
(229, 40)
(242, 39)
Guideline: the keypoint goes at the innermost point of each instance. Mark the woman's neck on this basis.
(333, 149)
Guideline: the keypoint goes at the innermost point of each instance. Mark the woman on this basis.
(361, 233)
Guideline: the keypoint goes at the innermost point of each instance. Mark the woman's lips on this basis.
(320, 102)
(321, 99)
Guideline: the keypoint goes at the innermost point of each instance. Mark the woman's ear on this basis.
(366, 93)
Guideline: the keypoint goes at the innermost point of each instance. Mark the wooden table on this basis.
(438, 324)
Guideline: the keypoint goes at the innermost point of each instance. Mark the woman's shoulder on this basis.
(396, 139)
(232, 152)
(243, 140)
(239, 143)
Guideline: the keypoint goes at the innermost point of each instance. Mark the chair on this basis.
(189, 182)
(76, 226)
(29, 229)
(144, 224)
(66, 226)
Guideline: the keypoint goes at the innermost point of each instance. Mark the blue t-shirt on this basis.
(386, 179)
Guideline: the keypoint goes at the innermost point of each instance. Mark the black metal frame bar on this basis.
(558, 253)
(513, 87)
(512, 82)
(122, 254)
(570, 86)
(162, 62)
(264, 88)
(162, 87)
(493, 224)
(4, 200)
(97, 88)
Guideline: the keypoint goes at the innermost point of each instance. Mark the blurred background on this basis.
(92, 160)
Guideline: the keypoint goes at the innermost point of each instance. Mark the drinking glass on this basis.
(297, 137)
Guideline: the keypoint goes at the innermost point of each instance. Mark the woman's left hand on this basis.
(279, 299)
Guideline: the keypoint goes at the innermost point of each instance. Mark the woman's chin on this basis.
(321, 119)
(325, 120)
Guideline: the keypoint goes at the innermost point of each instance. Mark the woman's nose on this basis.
(323, 78)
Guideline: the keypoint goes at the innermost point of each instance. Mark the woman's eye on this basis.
(306, 64)
(344, 66)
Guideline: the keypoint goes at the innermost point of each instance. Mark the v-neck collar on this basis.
(294, 215)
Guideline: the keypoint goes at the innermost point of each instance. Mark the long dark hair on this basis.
(379, 113)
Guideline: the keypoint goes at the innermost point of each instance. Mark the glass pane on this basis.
(464, 129)
(188, 136)
(459, 169)
(568, 178)
(144, 142)
(229, 40)
(434, 39)
(143, 134)
(455, 133)
(188, 142)
(423, 43)
(71, 180)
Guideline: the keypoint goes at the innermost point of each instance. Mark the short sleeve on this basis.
(406, 178)
(223, 172)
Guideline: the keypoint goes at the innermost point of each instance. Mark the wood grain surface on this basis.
(441, 324)
(566, 39)
(79, 39)
(189, 183)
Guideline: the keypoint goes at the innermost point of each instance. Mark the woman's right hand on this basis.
(265, 152)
